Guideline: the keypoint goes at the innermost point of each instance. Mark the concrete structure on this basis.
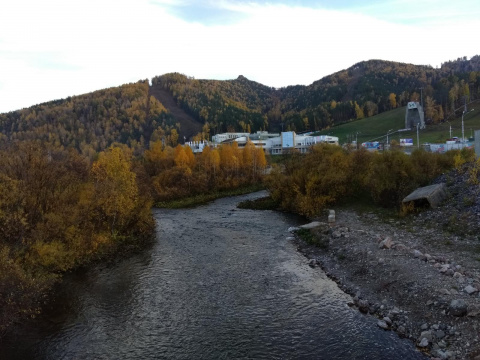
(220, 138)
(433, 195)
(275, 143)
(197, 146)
(414, 116)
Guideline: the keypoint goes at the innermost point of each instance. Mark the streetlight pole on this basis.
(463, 129)
(388, 133)
(450, 128)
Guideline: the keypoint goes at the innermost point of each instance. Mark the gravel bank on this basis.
(419, 276)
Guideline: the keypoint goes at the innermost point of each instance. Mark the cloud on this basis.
(54, 49)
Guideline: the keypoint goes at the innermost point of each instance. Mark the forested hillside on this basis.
(365, 89)
(92, 122)
(132, 114)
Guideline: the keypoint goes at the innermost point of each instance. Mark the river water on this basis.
(218, 283)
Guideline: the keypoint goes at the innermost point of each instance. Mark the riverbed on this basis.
(218, 283)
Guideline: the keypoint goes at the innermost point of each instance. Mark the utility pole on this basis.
(418, 137)
(463, 113)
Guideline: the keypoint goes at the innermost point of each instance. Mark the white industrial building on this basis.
(271, 143)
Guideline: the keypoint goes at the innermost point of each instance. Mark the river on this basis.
(218, 283)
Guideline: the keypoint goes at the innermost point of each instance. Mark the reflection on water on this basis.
(219, 283)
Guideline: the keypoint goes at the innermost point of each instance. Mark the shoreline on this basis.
(418, 281)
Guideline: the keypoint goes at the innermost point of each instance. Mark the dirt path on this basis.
(189, 126)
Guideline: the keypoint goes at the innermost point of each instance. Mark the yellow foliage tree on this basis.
(116, 190)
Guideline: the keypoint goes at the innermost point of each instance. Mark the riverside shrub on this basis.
(309, 183)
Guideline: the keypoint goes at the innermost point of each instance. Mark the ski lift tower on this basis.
(414, 116)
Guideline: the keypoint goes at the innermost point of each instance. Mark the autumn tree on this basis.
(115, 189)
(392, 98)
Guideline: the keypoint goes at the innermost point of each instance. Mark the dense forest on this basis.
(92, 122)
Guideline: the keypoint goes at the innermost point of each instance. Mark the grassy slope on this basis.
(376, 127)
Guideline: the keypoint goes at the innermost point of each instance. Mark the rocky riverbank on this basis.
(414, 277)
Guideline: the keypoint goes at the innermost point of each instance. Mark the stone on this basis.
(458, 307)
(444, 292)
(381, 261)
(426, 335)
(363, 306)
(382, 324)
(470, 290)
(417, 254)
(312, 225)
(387, 320)
(331, 218)
(440, 354)
(444, 268)
(439, 334)
(424, 326)
(293, 229)
(401, 247)
(312, 263)
(336, 234)
(457, 275)
(386, 243)
(423, 343)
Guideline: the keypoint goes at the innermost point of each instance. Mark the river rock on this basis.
(363, 306)
(382, 324)
(417, 254)
(469, 289)
(423, 343)
(312, 225)
(444, 292)
(458, 307)
(426, 335)
(400, 247)
(386, 243)
(444, 268)
(336, 234)
(387, 320)
(293, 229)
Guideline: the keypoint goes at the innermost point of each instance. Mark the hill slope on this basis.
(136, 114)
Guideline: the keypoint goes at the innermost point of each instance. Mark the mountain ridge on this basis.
(177, 107)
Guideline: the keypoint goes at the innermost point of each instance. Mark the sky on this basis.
(52, 49)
